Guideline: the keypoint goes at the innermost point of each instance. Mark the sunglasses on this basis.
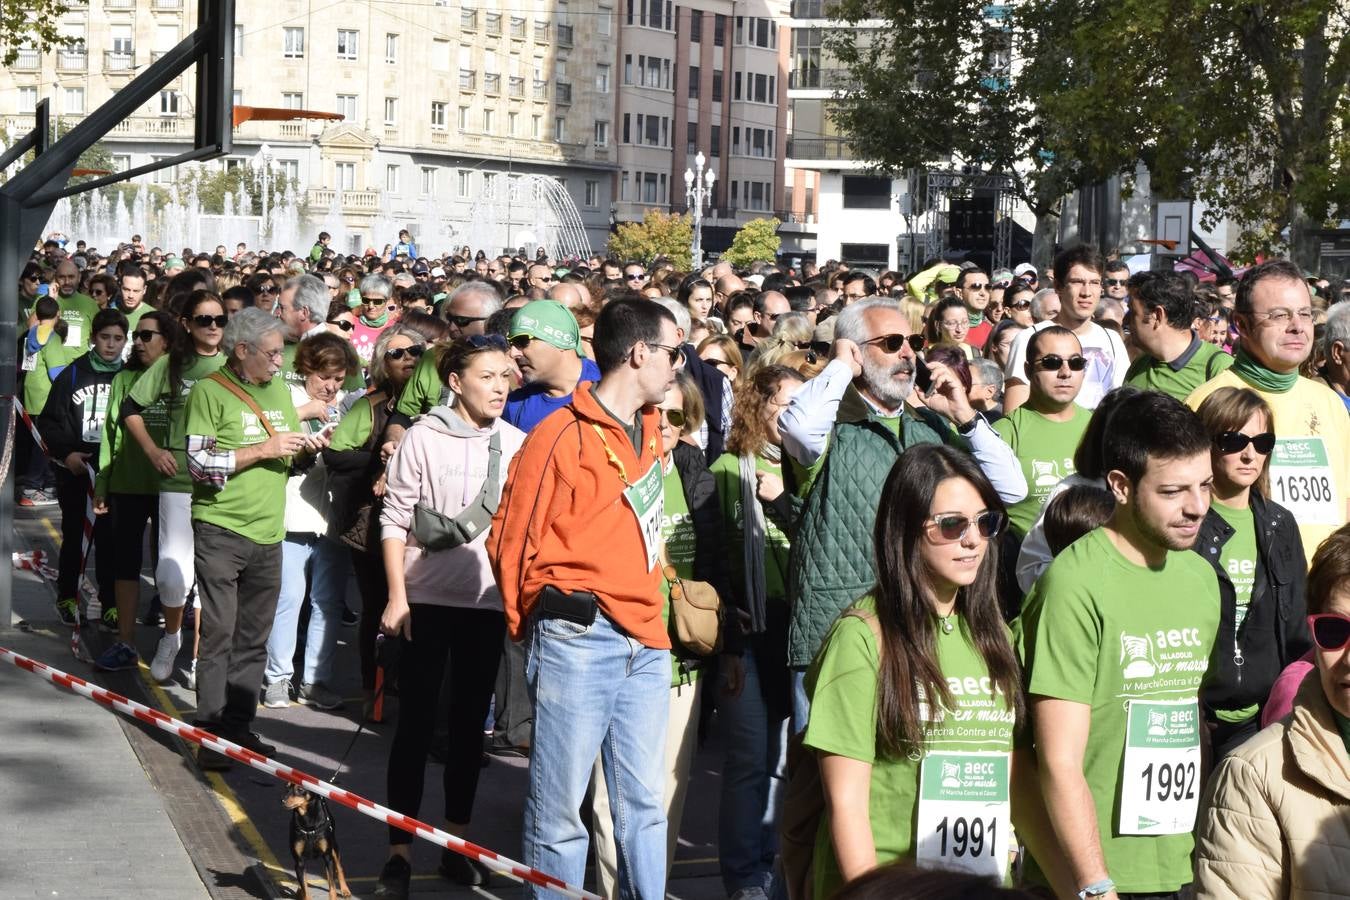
(466, 321)
(953, 527)
(1053, 363)
(1019, 304)
(348, 280)
(1114, 282)
(891, 343)
(675, 352)
(714, 361)
(674, 416)
(144, 336)
(399, 353)
(637, 277)
(344, 324)
(1330, 631)
(267, 289)
(208, 321)
(1236, 442)
(977, 287)
(493, 341)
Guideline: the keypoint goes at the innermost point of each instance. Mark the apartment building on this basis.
(709, 77)
(442, 105)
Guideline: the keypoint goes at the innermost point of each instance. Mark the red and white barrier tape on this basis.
(131, 708)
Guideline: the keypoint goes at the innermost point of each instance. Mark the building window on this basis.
(347, 44)
(592, 199)
(866, 192)
(462, 119)
(560, 129)
(293, 43)
(72, 101)
(602, 78)
(237, 97)
(293, 100)
(27, 99)
(695, 26)
(346, 176)
(715, 141)
(717, 86)
(168, 103)
(391, 48)
(489, 121)
(166, 174)
(346, 106)
(391, 179)
(437, 115)
(535, 126)
(602, 20)
(719, 30)
(513, 124)
(238, 41)
(290, 168)
(121, 162)
(462, 182)
(602, 134)
(693, 82)
(440, 55)
(428, 181)
(691, 138)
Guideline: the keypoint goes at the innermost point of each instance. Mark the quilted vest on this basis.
(831, 563)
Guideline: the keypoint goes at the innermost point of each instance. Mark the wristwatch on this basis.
(1097, 889)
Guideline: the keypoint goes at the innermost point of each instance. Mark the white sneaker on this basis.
(161, 667)
(192, 676)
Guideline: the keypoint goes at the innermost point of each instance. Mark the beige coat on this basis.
(1276, 822)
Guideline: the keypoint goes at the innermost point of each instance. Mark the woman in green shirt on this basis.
(916, 691)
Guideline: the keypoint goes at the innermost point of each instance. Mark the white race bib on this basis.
(646, 497)
(1302, 482)
(75, 335)
(964, 822)
(91, 424)
(1160, 783)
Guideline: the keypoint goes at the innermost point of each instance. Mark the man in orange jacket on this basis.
(575, 546)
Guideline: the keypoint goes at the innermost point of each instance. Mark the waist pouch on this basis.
(437, 531)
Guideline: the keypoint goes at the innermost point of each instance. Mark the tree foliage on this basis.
(658, 234)
(756, 241)
(212, 184)
(31, 24)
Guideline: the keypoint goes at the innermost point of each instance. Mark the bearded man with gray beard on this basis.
(842, 433)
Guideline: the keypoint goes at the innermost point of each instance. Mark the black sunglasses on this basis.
(675, 352)
(466, 321)
(208, 321)
(1018, 304)
(891, 343)
(674, 416)
(1114, 282)
(266, 289)
(953, 527)
(492, 341)
(143, 335)
(1330, 631)
(1053, 362)
(1236, 442)
(343, 324)
(635, 277)
(399, 353)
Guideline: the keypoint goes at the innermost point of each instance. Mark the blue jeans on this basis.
(325, 562)
(752, 779)
(597, 691)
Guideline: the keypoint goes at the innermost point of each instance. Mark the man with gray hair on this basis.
(1335, 371)
(303, 307)
(844, 431)
(469, 306)
(242, 438)
(1045, 305)
(986, 388)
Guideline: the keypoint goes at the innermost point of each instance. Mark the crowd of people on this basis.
(1004, 575)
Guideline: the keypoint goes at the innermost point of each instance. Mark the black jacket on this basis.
(710, 381)
(1275, 631)
(700, 492)
(72, 420)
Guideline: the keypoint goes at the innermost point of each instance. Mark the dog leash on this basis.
(361, 723)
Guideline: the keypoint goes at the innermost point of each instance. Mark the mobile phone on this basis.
(923, 377)
(327, 429)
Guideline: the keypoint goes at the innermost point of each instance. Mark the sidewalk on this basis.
(81, 817)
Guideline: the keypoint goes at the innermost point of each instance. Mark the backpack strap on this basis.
(224, 381)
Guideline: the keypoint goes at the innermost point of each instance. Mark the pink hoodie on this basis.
(442, 463)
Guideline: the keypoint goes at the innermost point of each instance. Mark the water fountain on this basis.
(506, 210)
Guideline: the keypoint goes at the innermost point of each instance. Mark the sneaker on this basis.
(211, 761)
(250, 740)
(395, 878)
(35, 497)
(277, 695)
(161, 667)
(192, 676)
(154, 618)
(461, 870)
(117, 658)
(68, 611)
(318, 696)
(107, 622)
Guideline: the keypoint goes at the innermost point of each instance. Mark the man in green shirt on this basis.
(1116, 638)
(133, 305)
(1044, 432)
(242, 436)
(1175, 360)
(78, 310)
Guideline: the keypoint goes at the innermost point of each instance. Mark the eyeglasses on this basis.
(343, 324)
(1079, 283)
(466, 321)
(977, 287)
(953, 527)
(674, 416)
(400, 352)
(1284, 316)
(1114, 282)
(494, 341)
(891, 343)
(270, 354)
(1018, 304)
(675, 352)
(144, 336)
(1053, 362)
(208, 321)
(1236, 442)
(714, 361)
(1330, 631)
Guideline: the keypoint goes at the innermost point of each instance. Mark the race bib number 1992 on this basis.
(1160, 784)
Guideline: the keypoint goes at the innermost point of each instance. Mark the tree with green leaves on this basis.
(756, 241)
(31, 24)
(658, 234)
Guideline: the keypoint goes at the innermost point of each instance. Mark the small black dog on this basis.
(314, 833)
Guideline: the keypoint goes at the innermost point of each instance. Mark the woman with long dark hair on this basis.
(917, 685)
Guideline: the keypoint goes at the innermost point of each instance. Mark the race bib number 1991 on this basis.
(964, 819)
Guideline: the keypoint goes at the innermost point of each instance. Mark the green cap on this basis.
(550, 322)
(174, 262)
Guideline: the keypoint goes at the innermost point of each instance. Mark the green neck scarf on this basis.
(1258, 376)
(975, 318)
(99, 364)
(376, 323)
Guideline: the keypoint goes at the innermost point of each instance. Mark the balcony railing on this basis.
(167, 4)
(541, 32)
(119, 4)
(155, 55)
(564, 35)
(819, 148)
(118, 61)
(363, 201)
(28, 60)
(540, 90)
(518, 27)
(516, 85)
(467, 79)
(154, 126)
(822, 79)
(72, 60)
(492, 83)
(564, 94)
(468, 20)
(492, 23)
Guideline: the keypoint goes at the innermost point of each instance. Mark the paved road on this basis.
(230, 829)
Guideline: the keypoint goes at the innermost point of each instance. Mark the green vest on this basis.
(831, 563)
